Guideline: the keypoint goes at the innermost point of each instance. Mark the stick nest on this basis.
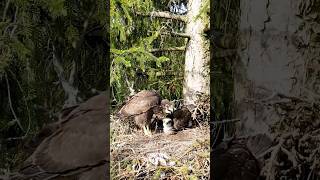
(184, 155)
(295, 154)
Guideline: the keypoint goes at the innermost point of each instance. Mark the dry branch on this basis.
(11, 106)
(183, 35)
(67, 86)
(5, 10)
(182, 48)
(164, 14)
(225, 121)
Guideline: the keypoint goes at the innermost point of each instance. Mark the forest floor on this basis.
(185, 155)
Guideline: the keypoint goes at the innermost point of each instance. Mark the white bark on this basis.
(270, 59)
(196, 77)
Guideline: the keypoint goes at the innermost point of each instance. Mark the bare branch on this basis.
(72, 73)
(184, 35)
(183, 48)
(5, 10)
(130, 85)
(164, 14)
(225, 121)
(67, 86)
(10, 105)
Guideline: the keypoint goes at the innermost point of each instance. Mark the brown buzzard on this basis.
(142, 106)
(236, 159)
(75, 147)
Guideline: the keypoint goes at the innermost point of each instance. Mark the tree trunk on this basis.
(274, 51)
(196, 72)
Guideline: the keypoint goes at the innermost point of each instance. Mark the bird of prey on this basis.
(74, 147)
(236, 159)
(182, 118)
(143, 106)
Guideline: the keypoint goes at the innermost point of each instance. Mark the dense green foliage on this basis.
(133, 37)
(32, 33)
(225, 17)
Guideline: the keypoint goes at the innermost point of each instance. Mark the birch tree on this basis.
(197, 53)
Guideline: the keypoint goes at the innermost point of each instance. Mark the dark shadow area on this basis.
(264, 90)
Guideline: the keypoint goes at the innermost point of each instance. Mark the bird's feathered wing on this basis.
(237, 159)
(79, 145)
(140, 103)
(234, 161)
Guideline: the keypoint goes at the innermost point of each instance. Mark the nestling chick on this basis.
(168, 126)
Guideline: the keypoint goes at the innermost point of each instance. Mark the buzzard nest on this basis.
(295, 154)
(184, 155)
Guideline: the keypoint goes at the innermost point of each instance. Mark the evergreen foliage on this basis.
(32, 32)
(225, 15)
(133, 37)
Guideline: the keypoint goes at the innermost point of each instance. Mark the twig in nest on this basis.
(274, 155)
(291, 156)
(312, 169)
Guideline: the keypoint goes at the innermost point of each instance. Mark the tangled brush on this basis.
(295, 154)
(201, 112)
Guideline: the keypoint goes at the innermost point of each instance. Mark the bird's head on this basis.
(167, 106)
